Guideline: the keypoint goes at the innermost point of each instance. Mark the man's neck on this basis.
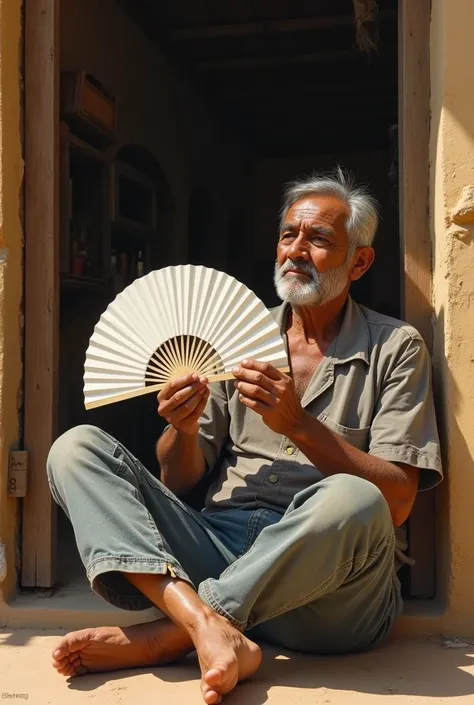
(317, 324)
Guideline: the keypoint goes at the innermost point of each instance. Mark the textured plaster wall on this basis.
(452, 218)
(11, 174)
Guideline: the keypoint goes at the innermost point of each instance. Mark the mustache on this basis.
(303, 267)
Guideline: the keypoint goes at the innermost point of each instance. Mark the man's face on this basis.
(312, 264)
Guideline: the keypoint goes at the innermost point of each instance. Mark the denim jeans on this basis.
(319, 578)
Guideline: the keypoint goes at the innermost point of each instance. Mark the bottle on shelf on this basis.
(77, 258)
(83, 253)
(114, 271)
(113, 263)
(140, 264)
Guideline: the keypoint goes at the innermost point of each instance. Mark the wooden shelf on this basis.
(83, 151)
(87, 108)
(106, 206)
(84, 207)
(133, 199)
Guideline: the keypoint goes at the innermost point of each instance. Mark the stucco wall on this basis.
(452, 172)
(11, 172)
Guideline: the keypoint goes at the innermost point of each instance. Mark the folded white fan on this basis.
(172, 322)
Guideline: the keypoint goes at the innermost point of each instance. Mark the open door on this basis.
(274, 46)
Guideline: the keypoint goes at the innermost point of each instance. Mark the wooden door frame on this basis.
(42, 226)
(41, 284)
(415, 240)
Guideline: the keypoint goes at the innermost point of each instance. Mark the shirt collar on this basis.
(352, 343)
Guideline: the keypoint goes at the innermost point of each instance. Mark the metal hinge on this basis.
(17, 473)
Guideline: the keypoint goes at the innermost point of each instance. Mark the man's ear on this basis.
(362, 260)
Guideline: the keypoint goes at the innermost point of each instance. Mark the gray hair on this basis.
(363, 208)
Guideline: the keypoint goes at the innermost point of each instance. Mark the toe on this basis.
(211, 697)
(72, 642)
(60, 664)
(66, 671)
(60, 653)
(80, 671)
(214, 677)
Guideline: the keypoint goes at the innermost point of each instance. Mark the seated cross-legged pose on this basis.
(310, 474)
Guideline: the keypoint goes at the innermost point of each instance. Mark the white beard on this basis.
(319, 290)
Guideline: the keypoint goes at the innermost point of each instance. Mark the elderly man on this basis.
(311, 473)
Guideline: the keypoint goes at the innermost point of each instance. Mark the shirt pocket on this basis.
(357, 437)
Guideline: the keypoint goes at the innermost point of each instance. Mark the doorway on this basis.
(229, 101)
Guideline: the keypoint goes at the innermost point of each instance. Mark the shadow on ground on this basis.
(400, 668)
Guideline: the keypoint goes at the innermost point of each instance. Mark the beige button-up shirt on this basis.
(373, 388)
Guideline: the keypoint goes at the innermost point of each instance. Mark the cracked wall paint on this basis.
(463, 212)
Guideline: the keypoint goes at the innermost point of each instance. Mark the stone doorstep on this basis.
(76, 606)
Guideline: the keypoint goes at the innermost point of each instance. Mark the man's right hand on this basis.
(182, 401)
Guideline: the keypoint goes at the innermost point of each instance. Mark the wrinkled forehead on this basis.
(316, 210)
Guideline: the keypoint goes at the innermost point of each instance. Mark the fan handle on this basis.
(156, 388)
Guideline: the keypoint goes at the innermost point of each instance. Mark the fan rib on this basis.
(207, 362)
(158, 366)
(167, 350)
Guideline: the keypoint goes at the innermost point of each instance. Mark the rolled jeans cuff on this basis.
(116, 589)
(207, 596)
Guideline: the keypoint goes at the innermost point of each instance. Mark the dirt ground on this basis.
(418, 672)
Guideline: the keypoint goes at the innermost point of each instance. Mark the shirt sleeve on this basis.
(404, 428)
(214, 425)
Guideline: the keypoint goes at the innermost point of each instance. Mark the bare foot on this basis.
(114, 648)
(225, 655)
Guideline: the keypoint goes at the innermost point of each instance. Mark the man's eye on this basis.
(320, 240)
(287, 236)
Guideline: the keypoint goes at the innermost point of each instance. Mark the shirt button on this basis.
(290, 450)
(273, 478)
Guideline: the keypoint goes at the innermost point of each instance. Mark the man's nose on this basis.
(299, 249)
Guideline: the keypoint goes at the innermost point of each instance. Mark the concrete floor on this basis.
(402, 671)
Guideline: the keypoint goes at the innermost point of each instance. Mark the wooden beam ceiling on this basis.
(267, 27)
(321, 83)
(281, 146)
(256, 62)
(347, 97)
(380, 76)
(317, 96)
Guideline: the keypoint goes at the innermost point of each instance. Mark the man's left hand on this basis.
(270, 393)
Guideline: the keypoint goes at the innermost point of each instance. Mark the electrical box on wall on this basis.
(18, 473)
